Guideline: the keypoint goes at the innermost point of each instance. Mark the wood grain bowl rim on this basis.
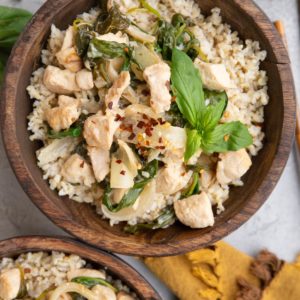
(130, 247)
(115, 265)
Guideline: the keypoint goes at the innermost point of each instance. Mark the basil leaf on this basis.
(132, 195)
(166, 219)
(91, 281)
(73, 132)
(193, 188)
(227, 137)
(187, 87)
(111, 21)
(83, 37)
(193, 143)
(214, 111)
(106, 49)
(12, 23)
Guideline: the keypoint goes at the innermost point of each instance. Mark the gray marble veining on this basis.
(276, 225)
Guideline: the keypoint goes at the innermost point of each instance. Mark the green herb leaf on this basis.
(193, 143)
(111, 21)
(12, 23)
(106, 49)
(152, 10)
(131, 196)
(193, 188)
(166, 219)
(174, 117)
(214, 110)
(227, 137)
(73, 132)
(187, 87)
(83, 36)
(91, 281)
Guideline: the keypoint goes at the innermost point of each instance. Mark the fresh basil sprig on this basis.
(204, 130)
(73, 132)
(131, 196)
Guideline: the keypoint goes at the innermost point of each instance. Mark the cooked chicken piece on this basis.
(60, 81)
(67, 56)
(10, 284)
(232, 166)
(158, 78)
(207, 178)
(99, 130)
(84, 79)
(214, 76)
(69, 59)
(77, 170)
(104, 292)
(124, 296)
(195, 211)
(172, 178)
(69, 38)
(130, 95)
(115, 92)
(85, 273)
(65, 114)
(117, 37)
(100, 162)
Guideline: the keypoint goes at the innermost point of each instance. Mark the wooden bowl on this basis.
(81, 220)
(116, 267)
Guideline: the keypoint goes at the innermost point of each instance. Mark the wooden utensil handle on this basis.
(280, 28)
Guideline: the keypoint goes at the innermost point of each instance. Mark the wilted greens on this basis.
(91, 281)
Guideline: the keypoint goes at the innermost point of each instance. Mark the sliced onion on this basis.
(120, 175)
(72, 287)
(139, 35)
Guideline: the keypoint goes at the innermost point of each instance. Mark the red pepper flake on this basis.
(123, 172)
(160, 140)
(119, 118)
(93, 122)
(110, 105)
(132, 136)
(148, 131)
(145, 117)
(147, 143)
(140, 124)
(182, 174)
(126, 50)
(27, 270)
(153, 122)
(128, 128)
(118, 161)
(82, 164)
(161, 121)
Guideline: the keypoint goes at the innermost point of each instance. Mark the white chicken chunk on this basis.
(65, 114)
(84, 79)
(10, 284)
(99, 130)
(67, 56)
(214, 76)
(195, 211)
(100, 162)
(158, 78)
(172, 178)
(115, 92)
(77, 170)
(60, 81)
(232, 166)
(85, 273)
(117, 37)
(104, 292)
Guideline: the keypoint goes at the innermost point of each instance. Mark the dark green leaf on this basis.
(194, 186)
(12, 23)
(131, 196)
(187, 87)
(111, 21)
(106, 50)
(193, 143)
(166, 219)
(73, 132)
(90, 282)
(174, 116)
(214, 110)
(83, 37)
(227, 137)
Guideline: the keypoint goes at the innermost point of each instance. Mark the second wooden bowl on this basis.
(117, 268)
(81, 220)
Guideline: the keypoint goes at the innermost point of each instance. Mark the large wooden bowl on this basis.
(81, 220)
(116, 267)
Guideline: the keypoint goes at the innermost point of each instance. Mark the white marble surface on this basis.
(276, 226)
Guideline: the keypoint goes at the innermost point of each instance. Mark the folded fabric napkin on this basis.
(223, 272)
